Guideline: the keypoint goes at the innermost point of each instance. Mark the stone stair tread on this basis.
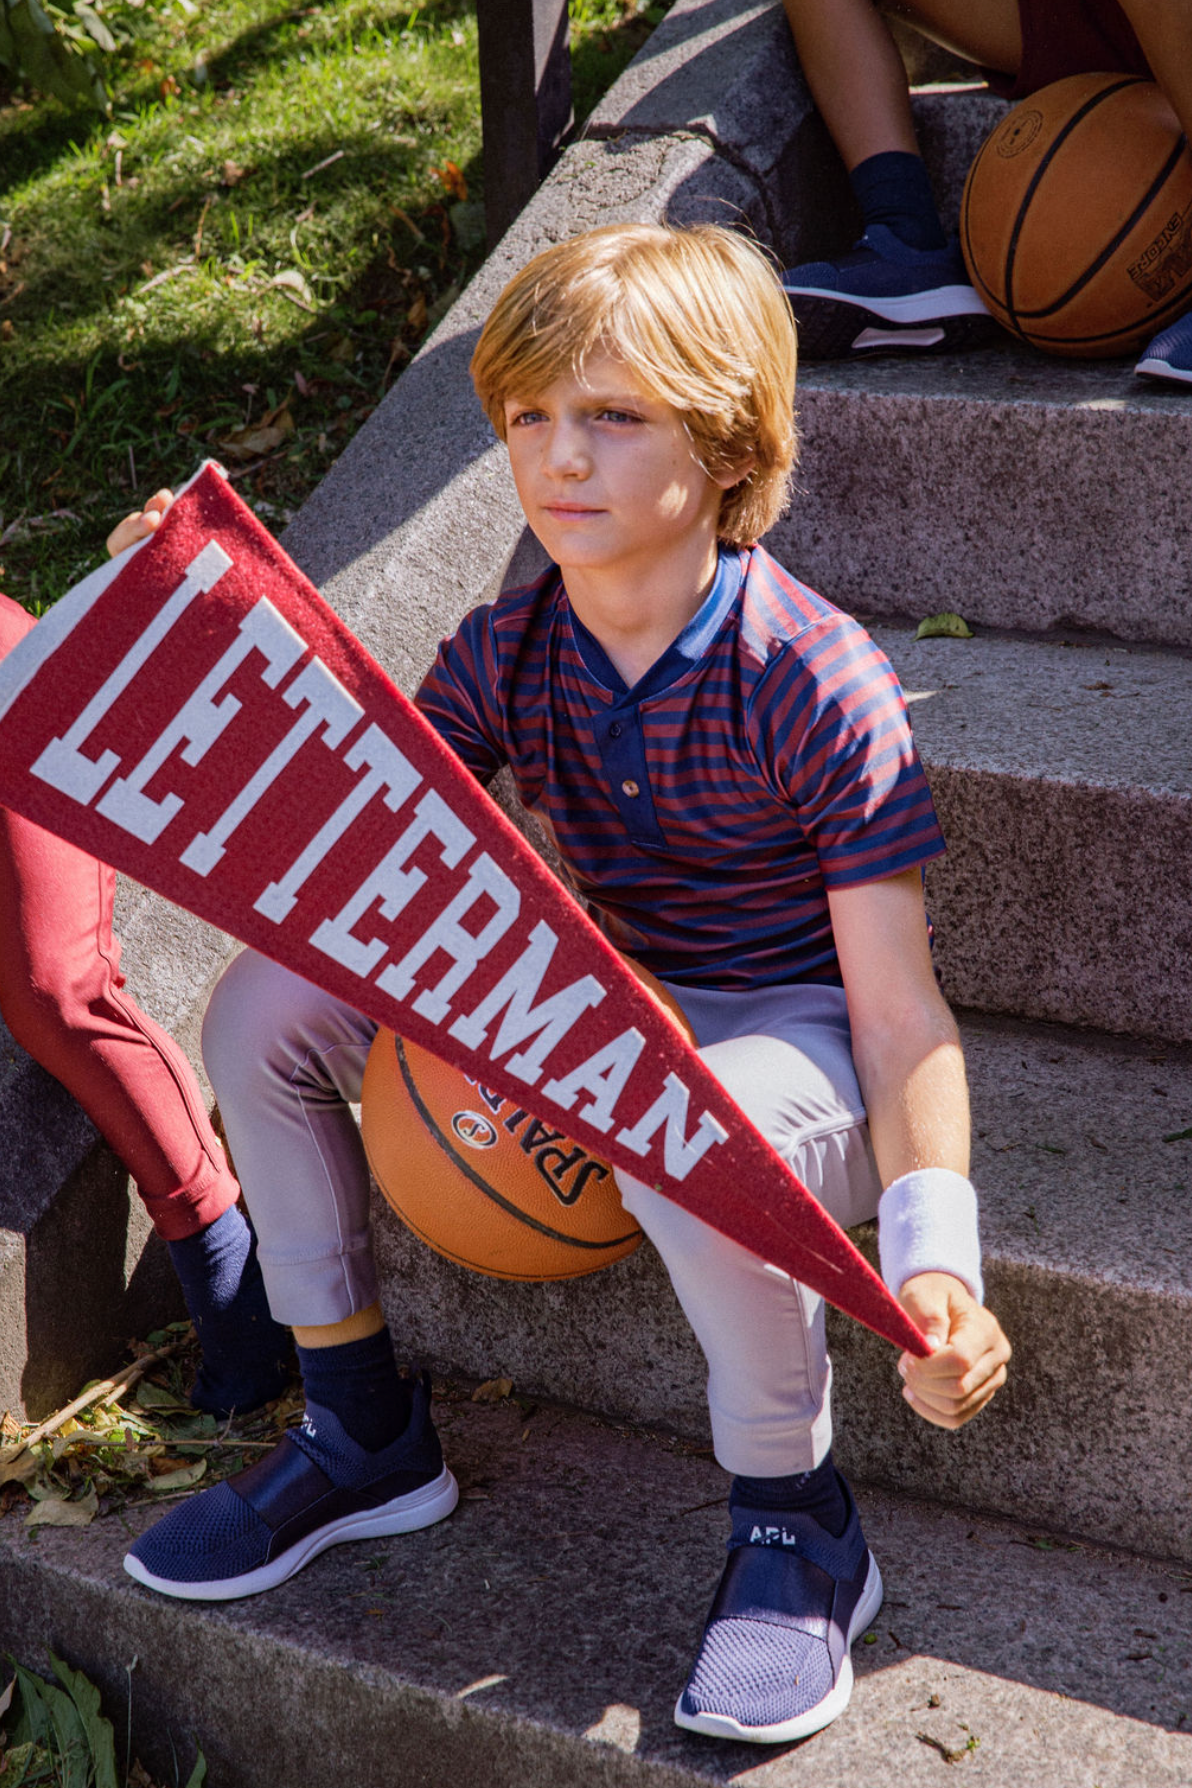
(1005, 372)
(540, 1636)
(1089, 710)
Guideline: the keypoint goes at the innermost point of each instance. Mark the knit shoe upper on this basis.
(315, 1489)
(774, 1662)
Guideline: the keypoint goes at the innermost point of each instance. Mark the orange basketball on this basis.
(479, 1179)
(1076, 221)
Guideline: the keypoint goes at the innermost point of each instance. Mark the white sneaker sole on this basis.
(405, 1514)
(916, 308)
(815, 1718)
(1159, 369)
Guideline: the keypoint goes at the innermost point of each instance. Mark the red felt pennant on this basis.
(197, 716)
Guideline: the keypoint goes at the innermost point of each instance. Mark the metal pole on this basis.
(525, 100)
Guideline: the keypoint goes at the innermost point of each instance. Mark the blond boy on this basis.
(724, 763)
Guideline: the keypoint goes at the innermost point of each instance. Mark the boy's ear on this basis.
(733, 475)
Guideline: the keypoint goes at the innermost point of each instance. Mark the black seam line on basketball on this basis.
(1090, 105)
(1168, 313)
(481, 1184)
(1156, 186)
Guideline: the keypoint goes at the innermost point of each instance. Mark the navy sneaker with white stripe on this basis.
(884, 296)
(1169, 355)
(316, 1489)
(774, 1662)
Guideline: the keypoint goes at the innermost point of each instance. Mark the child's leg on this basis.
(903, 285)
(61, 993)
(857, 77)
(783, 1054)
(800, 1583)
(62, 996)
(287, 1061)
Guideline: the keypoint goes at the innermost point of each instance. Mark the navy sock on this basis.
(817, 1493)
(247, 1357)
(358, 1382)
(893, 189)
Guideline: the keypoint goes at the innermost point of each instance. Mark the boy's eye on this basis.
(611, 415)
(518, 418)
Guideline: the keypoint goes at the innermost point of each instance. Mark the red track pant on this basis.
(61, 996)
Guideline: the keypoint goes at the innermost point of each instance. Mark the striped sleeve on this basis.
(458, 696)
(832, 726)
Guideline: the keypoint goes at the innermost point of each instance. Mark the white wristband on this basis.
(927, 1223)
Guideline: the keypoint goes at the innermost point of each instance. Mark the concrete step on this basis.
(80, 1267)
(1021, 490)
(1064, 787)
(1085, 1223)
(541, 1635)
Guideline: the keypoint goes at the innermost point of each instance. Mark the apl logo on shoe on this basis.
(474, 1130)
(772, 1536)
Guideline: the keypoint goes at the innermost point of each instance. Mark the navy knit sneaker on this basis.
(1169, 355)
(314, 1490)
(884, 296)
(774, 1663)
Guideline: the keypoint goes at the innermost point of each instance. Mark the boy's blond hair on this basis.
(699, 318)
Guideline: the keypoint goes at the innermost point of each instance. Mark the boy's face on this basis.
(606, 473)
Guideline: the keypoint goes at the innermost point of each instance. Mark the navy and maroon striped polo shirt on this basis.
(702, 814)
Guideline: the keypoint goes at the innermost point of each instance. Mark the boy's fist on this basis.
(969, 1361)
(136, 527)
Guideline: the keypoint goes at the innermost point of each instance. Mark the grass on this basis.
(241, 258)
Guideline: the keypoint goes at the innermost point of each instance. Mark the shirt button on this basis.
(629, 787)
(615, 730)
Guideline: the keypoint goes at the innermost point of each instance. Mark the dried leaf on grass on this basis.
(259, 438)
(293, 286)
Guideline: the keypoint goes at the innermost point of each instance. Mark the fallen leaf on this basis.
(452, 179)
(56, 1511)
(493, 1390)
(155, 1396)
(21, 1469)
(258, 437)
(233, 173)
(180, 1479)
(292, 286)
(944, 626)
(415, 316)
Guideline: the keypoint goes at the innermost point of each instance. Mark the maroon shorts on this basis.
(1068, 37)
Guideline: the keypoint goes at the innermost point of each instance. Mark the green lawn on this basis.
(241, 258)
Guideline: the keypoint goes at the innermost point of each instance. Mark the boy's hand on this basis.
(969, 1363)
(136, 527)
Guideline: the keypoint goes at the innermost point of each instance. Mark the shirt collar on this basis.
(684, 651)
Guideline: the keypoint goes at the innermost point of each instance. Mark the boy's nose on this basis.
(566, 453)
